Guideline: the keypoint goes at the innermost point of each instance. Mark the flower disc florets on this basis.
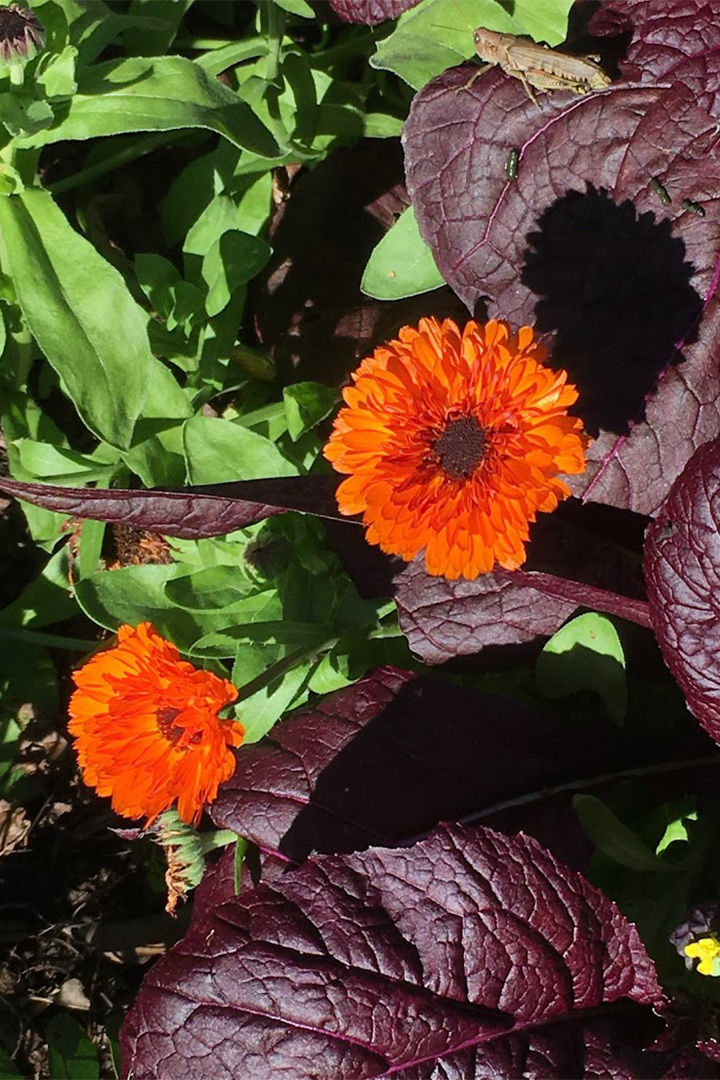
(21, 34)
(453, 441)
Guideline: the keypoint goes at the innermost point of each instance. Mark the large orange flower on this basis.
(147, 729)
(453, 441)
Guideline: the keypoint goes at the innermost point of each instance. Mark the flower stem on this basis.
(589, 596)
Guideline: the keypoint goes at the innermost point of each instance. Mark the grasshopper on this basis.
(538, 66)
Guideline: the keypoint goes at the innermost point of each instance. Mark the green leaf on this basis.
(401, 264)
(218, 450)
(585, 654)
(306, 404)
(167, 15)
(233, 260)
(677, 829)
(23, 114)
(615, 840)
(219, 588)
(135, 594)
(261, 710)
(437, 34)
(58, 76)
(72, 1055)
(165, 93)
(47, 599)
(8, 1068)
(297, 7)
(58, 463)
(79, 310)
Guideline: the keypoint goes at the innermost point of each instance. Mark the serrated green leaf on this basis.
(401, 264)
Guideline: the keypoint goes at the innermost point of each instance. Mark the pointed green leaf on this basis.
(402, 264)
(79, 310)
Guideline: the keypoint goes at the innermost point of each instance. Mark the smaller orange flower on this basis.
(147, 730)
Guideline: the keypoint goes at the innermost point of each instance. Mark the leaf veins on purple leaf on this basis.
(469, 952)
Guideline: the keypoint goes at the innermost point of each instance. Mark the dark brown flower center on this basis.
(13, 24)
(461, 447)
(18, 28)
(166, 726)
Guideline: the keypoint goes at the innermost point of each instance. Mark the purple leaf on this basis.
(192, 512)
(470, 954)
(659, 33)
(388, 757)
(442, 619)
(580, 243)
(370, 12)
(370, 764)
(682, 570)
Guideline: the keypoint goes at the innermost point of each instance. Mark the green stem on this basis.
(593, 781)
(275, 29)
(286, 664)
(341, 51)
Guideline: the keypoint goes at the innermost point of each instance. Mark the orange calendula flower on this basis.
(147, 729)
(453, 441)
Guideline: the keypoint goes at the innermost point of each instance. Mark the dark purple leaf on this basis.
(469, 955)
(682, 570)
(442, 619)
(580, 243)
(387, 758)
(659, 33)
(192, 512)
(370, 12)
(694, 1063)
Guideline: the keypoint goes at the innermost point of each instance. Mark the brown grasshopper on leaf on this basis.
(538, 66)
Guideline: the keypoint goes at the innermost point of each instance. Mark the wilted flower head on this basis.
(21, 34)
(453, 441)
(147, 730)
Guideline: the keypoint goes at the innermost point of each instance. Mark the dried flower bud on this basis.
(21, 34)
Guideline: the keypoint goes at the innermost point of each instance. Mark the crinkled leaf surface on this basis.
(470, 954)
(192, 512)
(580, 243)
(442, 618)
(682, 570)
(370, 12)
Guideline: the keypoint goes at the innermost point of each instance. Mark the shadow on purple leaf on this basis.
(615, 291)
